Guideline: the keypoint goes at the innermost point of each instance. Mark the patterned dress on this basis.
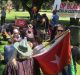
(24, 67)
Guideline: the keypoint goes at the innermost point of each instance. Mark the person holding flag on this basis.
(53, 60)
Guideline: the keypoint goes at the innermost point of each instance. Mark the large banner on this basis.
(69, 9)
(53, 60)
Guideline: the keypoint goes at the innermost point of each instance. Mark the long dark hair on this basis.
(44, 16)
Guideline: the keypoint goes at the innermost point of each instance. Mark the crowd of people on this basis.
(26, 41)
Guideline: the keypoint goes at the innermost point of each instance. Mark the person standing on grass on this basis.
(55, 18)
(3, 15)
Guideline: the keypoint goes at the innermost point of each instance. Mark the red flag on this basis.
(20, 22)
(57, 57)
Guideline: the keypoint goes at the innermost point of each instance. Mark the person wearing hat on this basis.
(24, 49)
(22, 64)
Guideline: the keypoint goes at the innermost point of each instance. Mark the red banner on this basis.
(69, 6)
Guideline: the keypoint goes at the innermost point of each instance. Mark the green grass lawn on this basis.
(11, 16)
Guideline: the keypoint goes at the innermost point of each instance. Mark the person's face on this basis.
(43, 20)
(16, 33)
(27, 33)
(60, 30)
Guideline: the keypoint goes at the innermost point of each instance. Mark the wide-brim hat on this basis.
(23, 48)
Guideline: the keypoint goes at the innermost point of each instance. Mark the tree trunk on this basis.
(35, 3)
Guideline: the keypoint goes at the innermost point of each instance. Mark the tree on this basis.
(34, 8)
